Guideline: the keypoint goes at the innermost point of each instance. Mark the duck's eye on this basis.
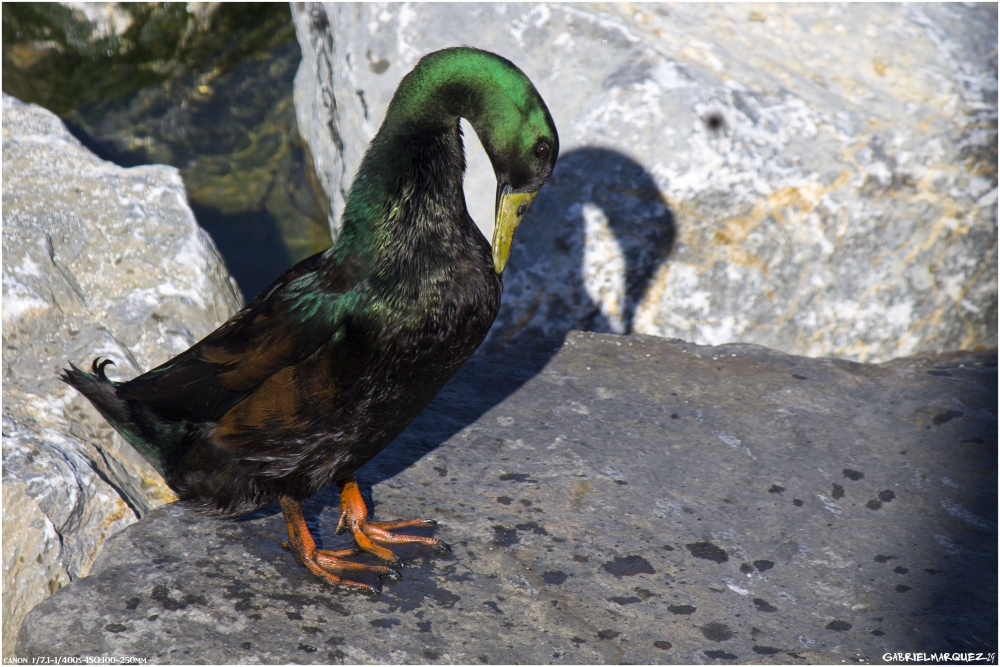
(542, 149)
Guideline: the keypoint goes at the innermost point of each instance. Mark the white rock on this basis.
(98, 260)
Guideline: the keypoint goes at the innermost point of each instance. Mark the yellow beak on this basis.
(511, 207)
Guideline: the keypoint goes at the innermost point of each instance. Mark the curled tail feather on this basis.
(98, 368)
(153, 437)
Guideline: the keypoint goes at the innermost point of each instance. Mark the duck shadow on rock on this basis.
(584, 258)
(586, 253)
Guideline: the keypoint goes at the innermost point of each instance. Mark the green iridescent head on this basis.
(507, 113)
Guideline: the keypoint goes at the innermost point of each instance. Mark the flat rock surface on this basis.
(608, 500)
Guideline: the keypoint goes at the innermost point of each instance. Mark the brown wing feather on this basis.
(241, 366)
(291, 400)
(275, 402)
(206, 381)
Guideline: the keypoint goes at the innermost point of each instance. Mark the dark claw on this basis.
(373, 592)
(394, 575)
(442, 548)
(394, 561)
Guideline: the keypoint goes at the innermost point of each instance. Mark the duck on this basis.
(330, 363)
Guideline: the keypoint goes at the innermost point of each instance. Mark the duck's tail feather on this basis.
(155, 438)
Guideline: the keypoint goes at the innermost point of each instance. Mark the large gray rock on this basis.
(97, 260)
(629, 499)
(821, 179)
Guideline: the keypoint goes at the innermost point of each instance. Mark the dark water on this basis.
(207, 90)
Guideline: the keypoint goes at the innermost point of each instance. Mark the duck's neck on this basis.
(406, 214)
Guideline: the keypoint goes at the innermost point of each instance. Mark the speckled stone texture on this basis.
(608, 500)
(97, 260)
(817, 178)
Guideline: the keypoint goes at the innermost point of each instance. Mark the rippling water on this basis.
(205, 88)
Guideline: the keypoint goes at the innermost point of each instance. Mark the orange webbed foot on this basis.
(325, 564)
(354, 517)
